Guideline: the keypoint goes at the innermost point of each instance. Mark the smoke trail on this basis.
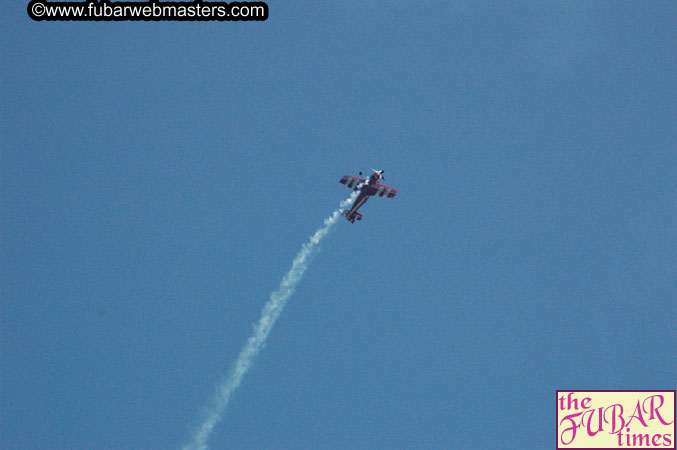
(271, 311)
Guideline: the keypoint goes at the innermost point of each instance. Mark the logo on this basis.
(616, 419)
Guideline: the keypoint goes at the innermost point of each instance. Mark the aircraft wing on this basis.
(380, 190)
(352, 182)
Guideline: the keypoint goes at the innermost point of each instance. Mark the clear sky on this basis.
(158, 178)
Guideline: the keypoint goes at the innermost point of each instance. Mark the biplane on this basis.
(368, 188)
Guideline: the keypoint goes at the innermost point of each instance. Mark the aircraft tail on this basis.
(352, 216)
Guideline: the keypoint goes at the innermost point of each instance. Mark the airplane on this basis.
(368, 188)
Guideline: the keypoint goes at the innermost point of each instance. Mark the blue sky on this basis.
(158, 178)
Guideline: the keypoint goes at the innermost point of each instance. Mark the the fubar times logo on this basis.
(616, 420)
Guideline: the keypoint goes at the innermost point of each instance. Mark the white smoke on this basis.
(271, 311)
